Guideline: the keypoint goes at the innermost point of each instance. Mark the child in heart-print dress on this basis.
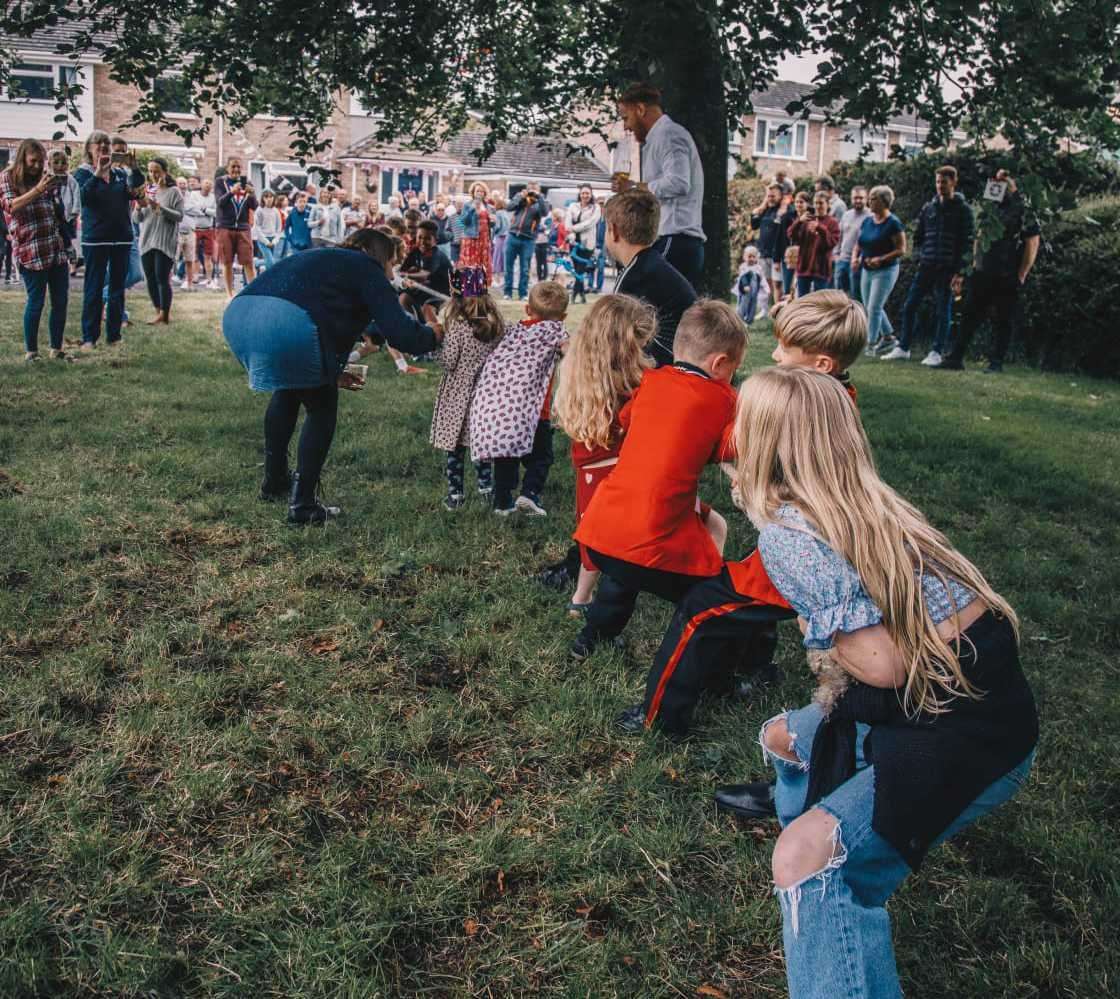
(473, 326)
(510, 419)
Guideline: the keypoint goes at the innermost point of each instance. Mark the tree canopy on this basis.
(1036, 71)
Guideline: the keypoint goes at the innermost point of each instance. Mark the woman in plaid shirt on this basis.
(30, 200)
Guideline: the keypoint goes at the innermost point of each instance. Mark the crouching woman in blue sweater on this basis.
(923, 721)
(293, 328)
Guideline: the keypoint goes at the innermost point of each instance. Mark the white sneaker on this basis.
(896, 354)
(214, 285)
(526, 504)
(932, 359)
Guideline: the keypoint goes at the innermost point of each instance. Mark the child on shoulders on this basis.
(510, 419)
(603, 366)
(473, 327)
(645, 527)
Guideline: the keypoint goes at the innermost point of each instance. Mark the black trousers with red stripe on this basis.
(715, 634)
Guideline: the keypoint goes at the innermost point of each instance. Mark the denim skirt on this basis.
(277, 343)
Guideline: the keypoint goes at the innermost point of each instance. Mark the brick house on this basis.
(454, 167)
(264, 144)
(773, 140)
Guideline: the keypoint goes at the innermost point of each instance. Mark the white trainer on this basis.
(896, 354)
(932, 359)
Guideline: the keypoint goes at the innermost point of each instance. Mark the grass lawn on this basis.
(242, 759)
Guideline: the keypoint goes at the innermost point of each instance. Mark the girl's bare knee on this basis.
(776, 739)
(808, 846)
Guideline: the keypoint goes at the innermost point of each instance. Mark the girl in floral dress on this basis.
(477, 218)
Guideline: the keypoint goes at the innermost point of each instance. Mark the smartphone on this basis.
(243, 180)
(118, 158)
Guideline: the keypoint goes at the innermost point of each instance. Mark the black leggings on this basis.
(6, 257)
(315, 439)
(157, 271)
(541, 250)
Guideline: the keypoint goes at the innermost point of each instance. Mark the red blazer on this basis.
(676, 422)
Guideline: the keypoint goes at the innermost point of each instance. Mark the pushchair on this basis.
(579, 263)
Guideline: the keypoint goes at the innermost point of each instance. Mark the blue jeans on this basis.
(928, 280)
(600, 270)
(56, 280)
(835, 928)
(519, 251)
(278, 344)
(102, 260)
(268, 255)
(806, 284)
(876, 286)
(845, 279)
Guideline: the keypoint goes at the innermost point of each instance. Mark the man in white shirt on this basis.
(671, 170)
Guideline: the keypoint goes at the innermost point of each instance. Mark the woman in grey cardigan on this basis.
(158, 211)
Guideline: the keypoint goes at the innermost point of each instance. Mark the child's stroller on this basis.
(580, 263)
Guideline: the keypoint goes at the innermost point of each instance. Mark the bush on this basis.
(743, 196)
(1067, 178)
(1069, 304)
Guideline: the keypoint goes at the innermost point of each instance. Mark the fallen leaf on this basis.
(470, 926)
(988, 418)
(321, 646)
(628, 960)
(377, 625)
(712, 991)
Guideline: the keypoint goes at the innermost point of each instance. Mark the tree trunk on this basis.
(676, 46)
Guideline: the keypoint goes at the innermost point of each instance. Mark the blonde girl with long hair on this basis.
(929, 723)
(473, 326)
(604, 363)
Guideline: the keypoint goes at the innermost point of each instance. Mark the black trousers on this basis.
(541, 251)
(685, 253)
(715, 634)
(994, 296)
(157, 272)
(537, 463)
(618, 591)
(321, 405)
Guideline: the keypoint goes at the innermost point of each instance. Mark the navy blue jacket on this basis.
(106, 206)
(945, 232)
(651, 277)
(343, 290)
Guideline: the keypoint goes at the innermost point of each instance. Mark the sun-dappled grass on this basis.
(238, 758)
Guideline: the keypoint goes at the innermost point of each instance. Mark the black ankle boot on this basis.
(277, 484)
(304, 508)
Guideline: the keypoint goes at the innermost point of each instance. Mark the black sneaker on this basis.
(747, 801)
(274, 492)
(454, 501)
(951, 364)
(994, 368)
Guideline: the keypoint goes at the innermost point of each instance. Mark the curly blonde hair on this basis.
(604, 363)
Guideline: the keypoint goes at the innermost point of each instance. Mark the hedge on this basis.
(1070, 305)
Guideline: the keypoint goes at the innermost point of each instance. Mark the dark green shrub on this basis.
(1070, 305)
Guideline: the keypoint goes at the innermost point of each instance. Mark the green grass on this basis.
(242, 759)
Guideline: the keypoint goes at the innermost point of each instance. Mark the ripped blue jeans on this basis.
(835, 929)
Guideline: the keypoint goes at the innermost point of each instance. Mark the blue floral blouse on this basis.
(824, 588)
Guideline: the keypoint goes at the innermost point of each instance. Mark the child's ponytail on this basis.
(470, 302)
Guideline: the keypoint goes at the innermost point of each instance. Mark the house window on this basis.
(31, 82)
(5, 156)
(863, 143)
(173, 95)
(780, 140)
(912, 144)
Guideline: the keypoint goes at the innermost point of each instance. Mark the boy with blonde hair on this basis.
(824, 330)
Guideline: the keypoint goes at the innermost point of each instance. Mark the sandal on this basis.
(578, 611)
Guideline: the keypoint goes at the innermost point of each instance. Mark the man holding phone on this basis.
(235, 200)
